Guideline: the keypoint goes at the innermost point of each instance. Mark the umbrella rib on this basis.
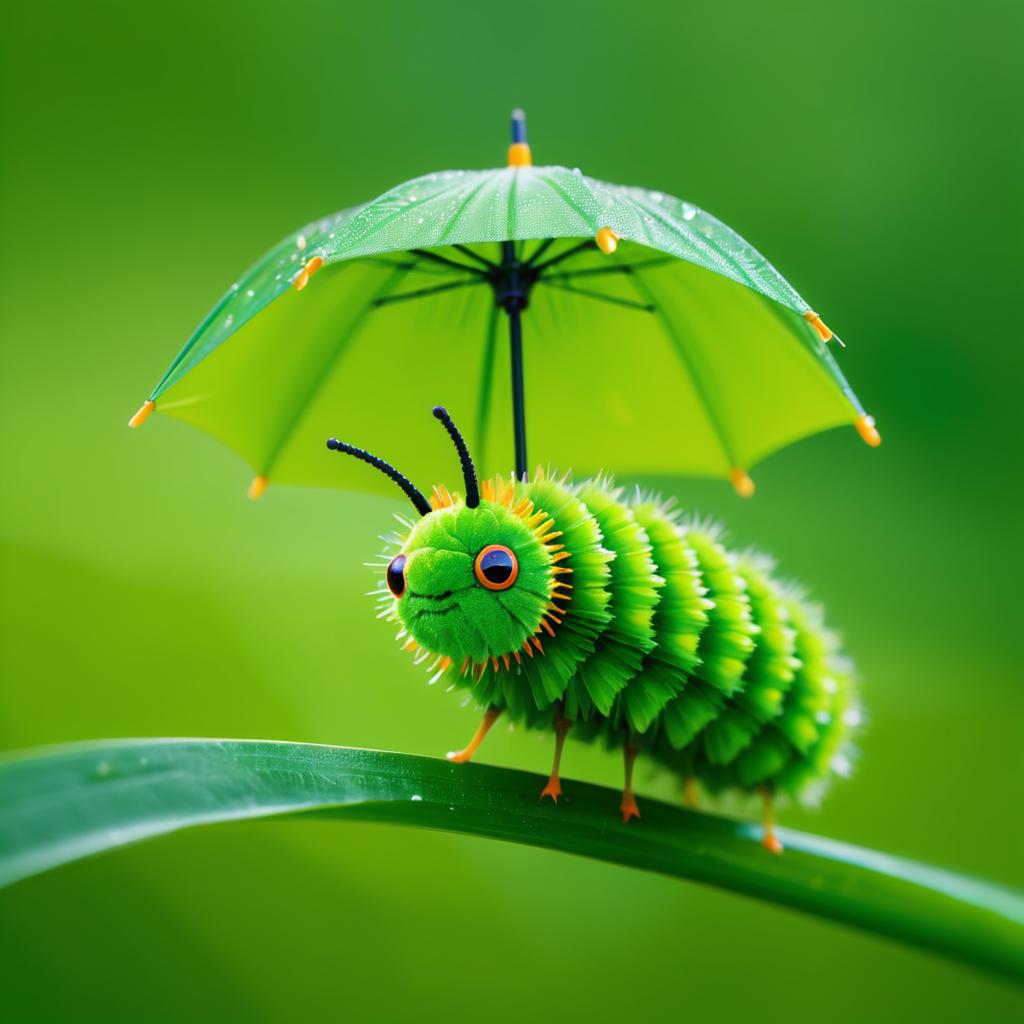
(413, 264)
(614, 268)
(644, 307)
(472, 254)
(588, 244)
(426, 254)
(540, 250)
(420, 293)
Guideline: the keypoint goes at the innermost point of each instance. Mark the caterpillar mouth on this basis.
(432, 597)
(423, 612)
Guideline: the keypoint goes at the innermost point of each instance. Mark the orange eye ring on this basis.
(496, 567)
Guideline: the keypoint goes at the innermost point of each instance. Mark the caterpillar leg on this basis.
(628, 806)
(690, 795)
(770, 840)
(554, 787)
(461, 756)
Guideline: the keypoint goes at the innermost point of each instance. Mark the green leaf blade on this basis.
(67, 803)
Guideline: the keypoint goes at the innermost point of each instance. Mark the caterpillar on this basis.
(569, 607)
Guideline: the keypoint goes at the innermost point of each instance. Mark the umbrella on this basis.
(630, 329)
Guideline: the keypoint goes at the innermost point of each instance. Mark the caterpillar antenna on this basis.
(408, 489)
(468, 469)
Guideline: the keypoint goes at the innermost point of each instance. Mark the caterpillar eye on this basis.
(496, 567)
(396, 575)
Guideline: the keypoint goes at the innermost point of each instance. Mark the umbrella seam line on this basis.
(322, 376)
(723, 440)
(716, 251)
(375, 228)
(461, 210)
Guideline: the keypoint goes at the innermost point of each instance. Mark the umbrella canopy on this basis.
(633, 330)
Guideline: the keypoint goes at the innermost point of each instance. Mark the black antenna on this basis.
(421, 503)
(468, 469)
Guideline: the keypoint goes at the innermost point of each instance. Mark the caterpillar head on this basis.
(473, 580)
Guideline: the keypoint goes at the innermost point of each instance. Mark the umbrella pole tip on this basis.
(257, 487)
(741, 483)
(816, 322)
(607, 241)
(519, 125)
(143, 414)
(865, 425)
(519, 154)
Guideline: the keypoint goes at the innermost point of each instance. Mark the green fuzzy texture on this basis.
(588, 611)
(634, 587)
(699, 656)
(446, 609)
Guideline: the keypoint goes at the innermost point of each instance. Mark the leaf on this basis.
(69, 802)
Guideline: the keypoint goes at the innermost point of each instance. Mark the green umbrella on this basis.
(657, 341)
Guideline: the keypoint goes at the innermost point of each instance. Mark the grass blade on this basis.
(65, 803)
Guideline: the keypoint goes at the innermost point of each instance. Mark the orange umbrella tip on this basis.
(865, 425)
(607, 241)
(741, 483)
(257, 487)
(301, 279)
(143, 414)
(519, 155)
(815, 321)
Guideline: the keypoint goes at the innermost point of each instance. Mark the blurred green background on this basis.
(872, 151)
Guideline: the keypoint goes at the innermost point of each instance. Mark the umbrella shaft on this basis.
(515, 337)
(513, 301)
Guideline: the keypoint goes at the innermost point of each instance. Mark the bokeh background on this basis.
(871, 150)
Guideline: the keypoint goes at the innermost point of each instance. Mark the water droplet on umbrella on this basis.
(301, 241)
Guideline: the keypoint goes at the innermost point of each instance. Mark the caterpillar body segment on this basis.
(609, 616)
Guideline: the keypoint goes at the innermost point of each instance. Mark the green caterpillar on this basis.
(567, 607)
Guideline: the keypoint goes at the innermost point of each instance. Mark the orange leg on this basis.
(461, 756)
(628, 806)
(770, 840)
(690, 792)
(554, 787)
